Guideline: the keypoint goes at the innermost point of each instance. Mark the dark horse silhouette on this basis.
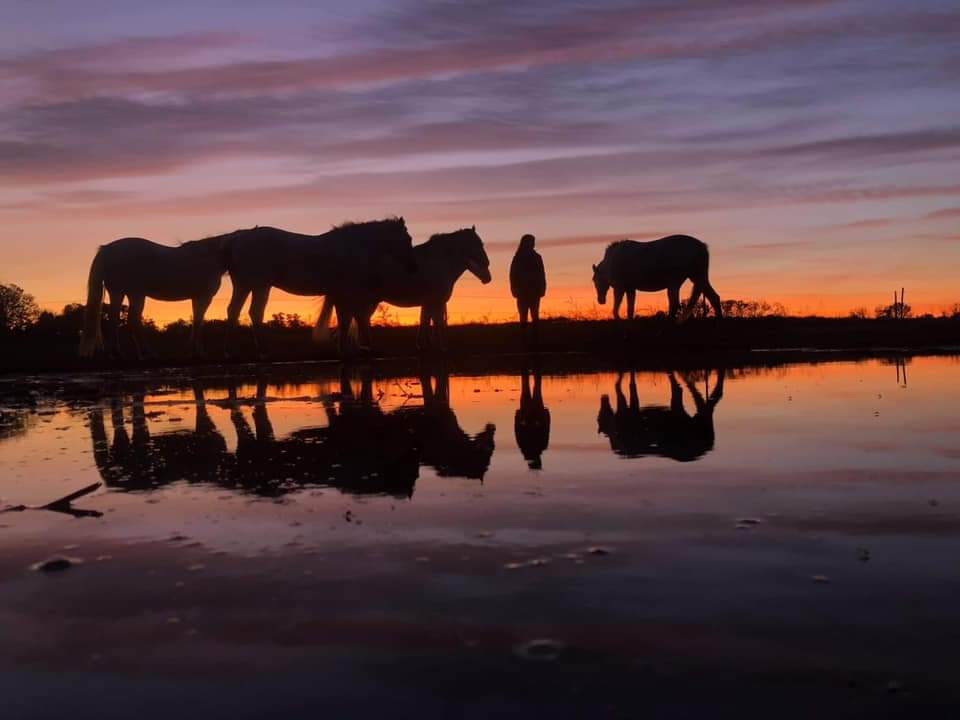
(636, 431)
(531, 423)
(362, 450)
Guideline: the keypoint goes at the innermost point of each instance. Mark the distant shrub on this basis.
(893, 310)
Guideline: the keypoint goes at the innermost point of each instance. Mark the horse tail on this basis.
(92, 337)
(321, 331)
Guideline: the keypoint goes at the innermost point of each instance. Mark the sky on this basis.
(813, 144)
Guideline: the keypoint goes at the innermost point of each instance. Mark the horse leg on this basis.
(673, 299)
(113, 323)
(258, 304)
(363, 332)
(617, 300)
(200, 306)
(343, 330)
(712, 297)
(423, 334)
(441, 323)
(631, 302)
(692, 302)
(237, 299)
(135, 322)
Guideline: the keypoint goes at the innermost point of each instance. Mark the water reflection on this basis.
(531, 424)
(640, 431)
(141, 461)
(361, 450)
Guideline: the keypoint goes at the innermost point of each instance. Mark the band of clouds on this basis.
(462, 112)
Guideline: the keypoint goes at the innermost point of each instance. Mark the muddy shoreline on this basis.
(646, 342)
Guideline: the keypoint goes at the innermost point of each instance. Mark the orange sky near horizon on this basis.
(813, 146)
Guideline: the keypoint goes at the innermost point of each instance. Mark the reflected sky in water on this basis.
(435, 443)
(743, 530)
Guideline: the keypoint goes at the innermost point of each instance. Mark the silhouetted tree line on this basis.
(740, 309)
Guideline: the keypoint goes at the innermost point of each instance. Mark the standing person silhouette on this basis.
(528, 283)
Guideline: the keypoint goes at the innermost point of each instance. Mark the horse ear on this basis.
(594, 268)
(473, 227)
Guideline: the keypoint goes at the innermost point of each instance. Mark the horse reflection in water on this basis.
(670, 432)
(531, 423)
(443, 444)
(362, 449)
(141, 461)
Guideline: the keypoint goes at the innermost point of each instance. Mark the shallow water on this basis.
(667, 543)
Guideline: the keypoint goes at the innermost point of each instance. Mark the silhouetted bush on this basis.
(18, 309)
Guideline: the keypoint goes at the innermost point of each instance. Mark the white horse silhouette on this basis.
(136, 268)
(663, 264)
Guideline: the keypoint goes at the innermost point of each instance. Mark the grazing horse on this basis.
(440, 263)
(348, 260)
(137, 269)
(663, 264)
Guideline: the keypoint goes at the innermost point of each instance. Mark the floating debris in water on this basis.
(823, 579)
(749, 521)
(513, 566)
(599, 550)
(196, 567)
(538, 562)
(540, 650)
(483, 535)
(57, 563)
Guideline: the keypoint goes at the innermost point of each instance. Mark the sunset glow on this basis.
(813, 145)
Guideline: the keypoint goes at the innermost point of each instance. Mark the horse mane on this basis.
(354, 224)
(442, 236)
(616, 245)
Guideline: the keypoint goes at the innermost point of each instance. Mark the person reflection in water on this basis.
(670, 432)
(531, 423)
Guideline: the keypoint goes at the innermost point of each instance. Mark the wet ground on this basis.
(777, 541)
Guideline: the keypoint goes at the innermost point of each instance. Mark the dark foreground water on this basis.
(777, 542)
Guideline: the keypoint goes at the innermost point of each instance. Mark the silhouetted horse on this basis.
(137, 269)
(440, 263)
(636, 431)
(349, 261)
(531, 423)
(663, 264)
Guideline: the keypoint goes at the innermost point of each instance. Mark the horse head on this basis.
(399, 244)
(601, 282)
(476, 257)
